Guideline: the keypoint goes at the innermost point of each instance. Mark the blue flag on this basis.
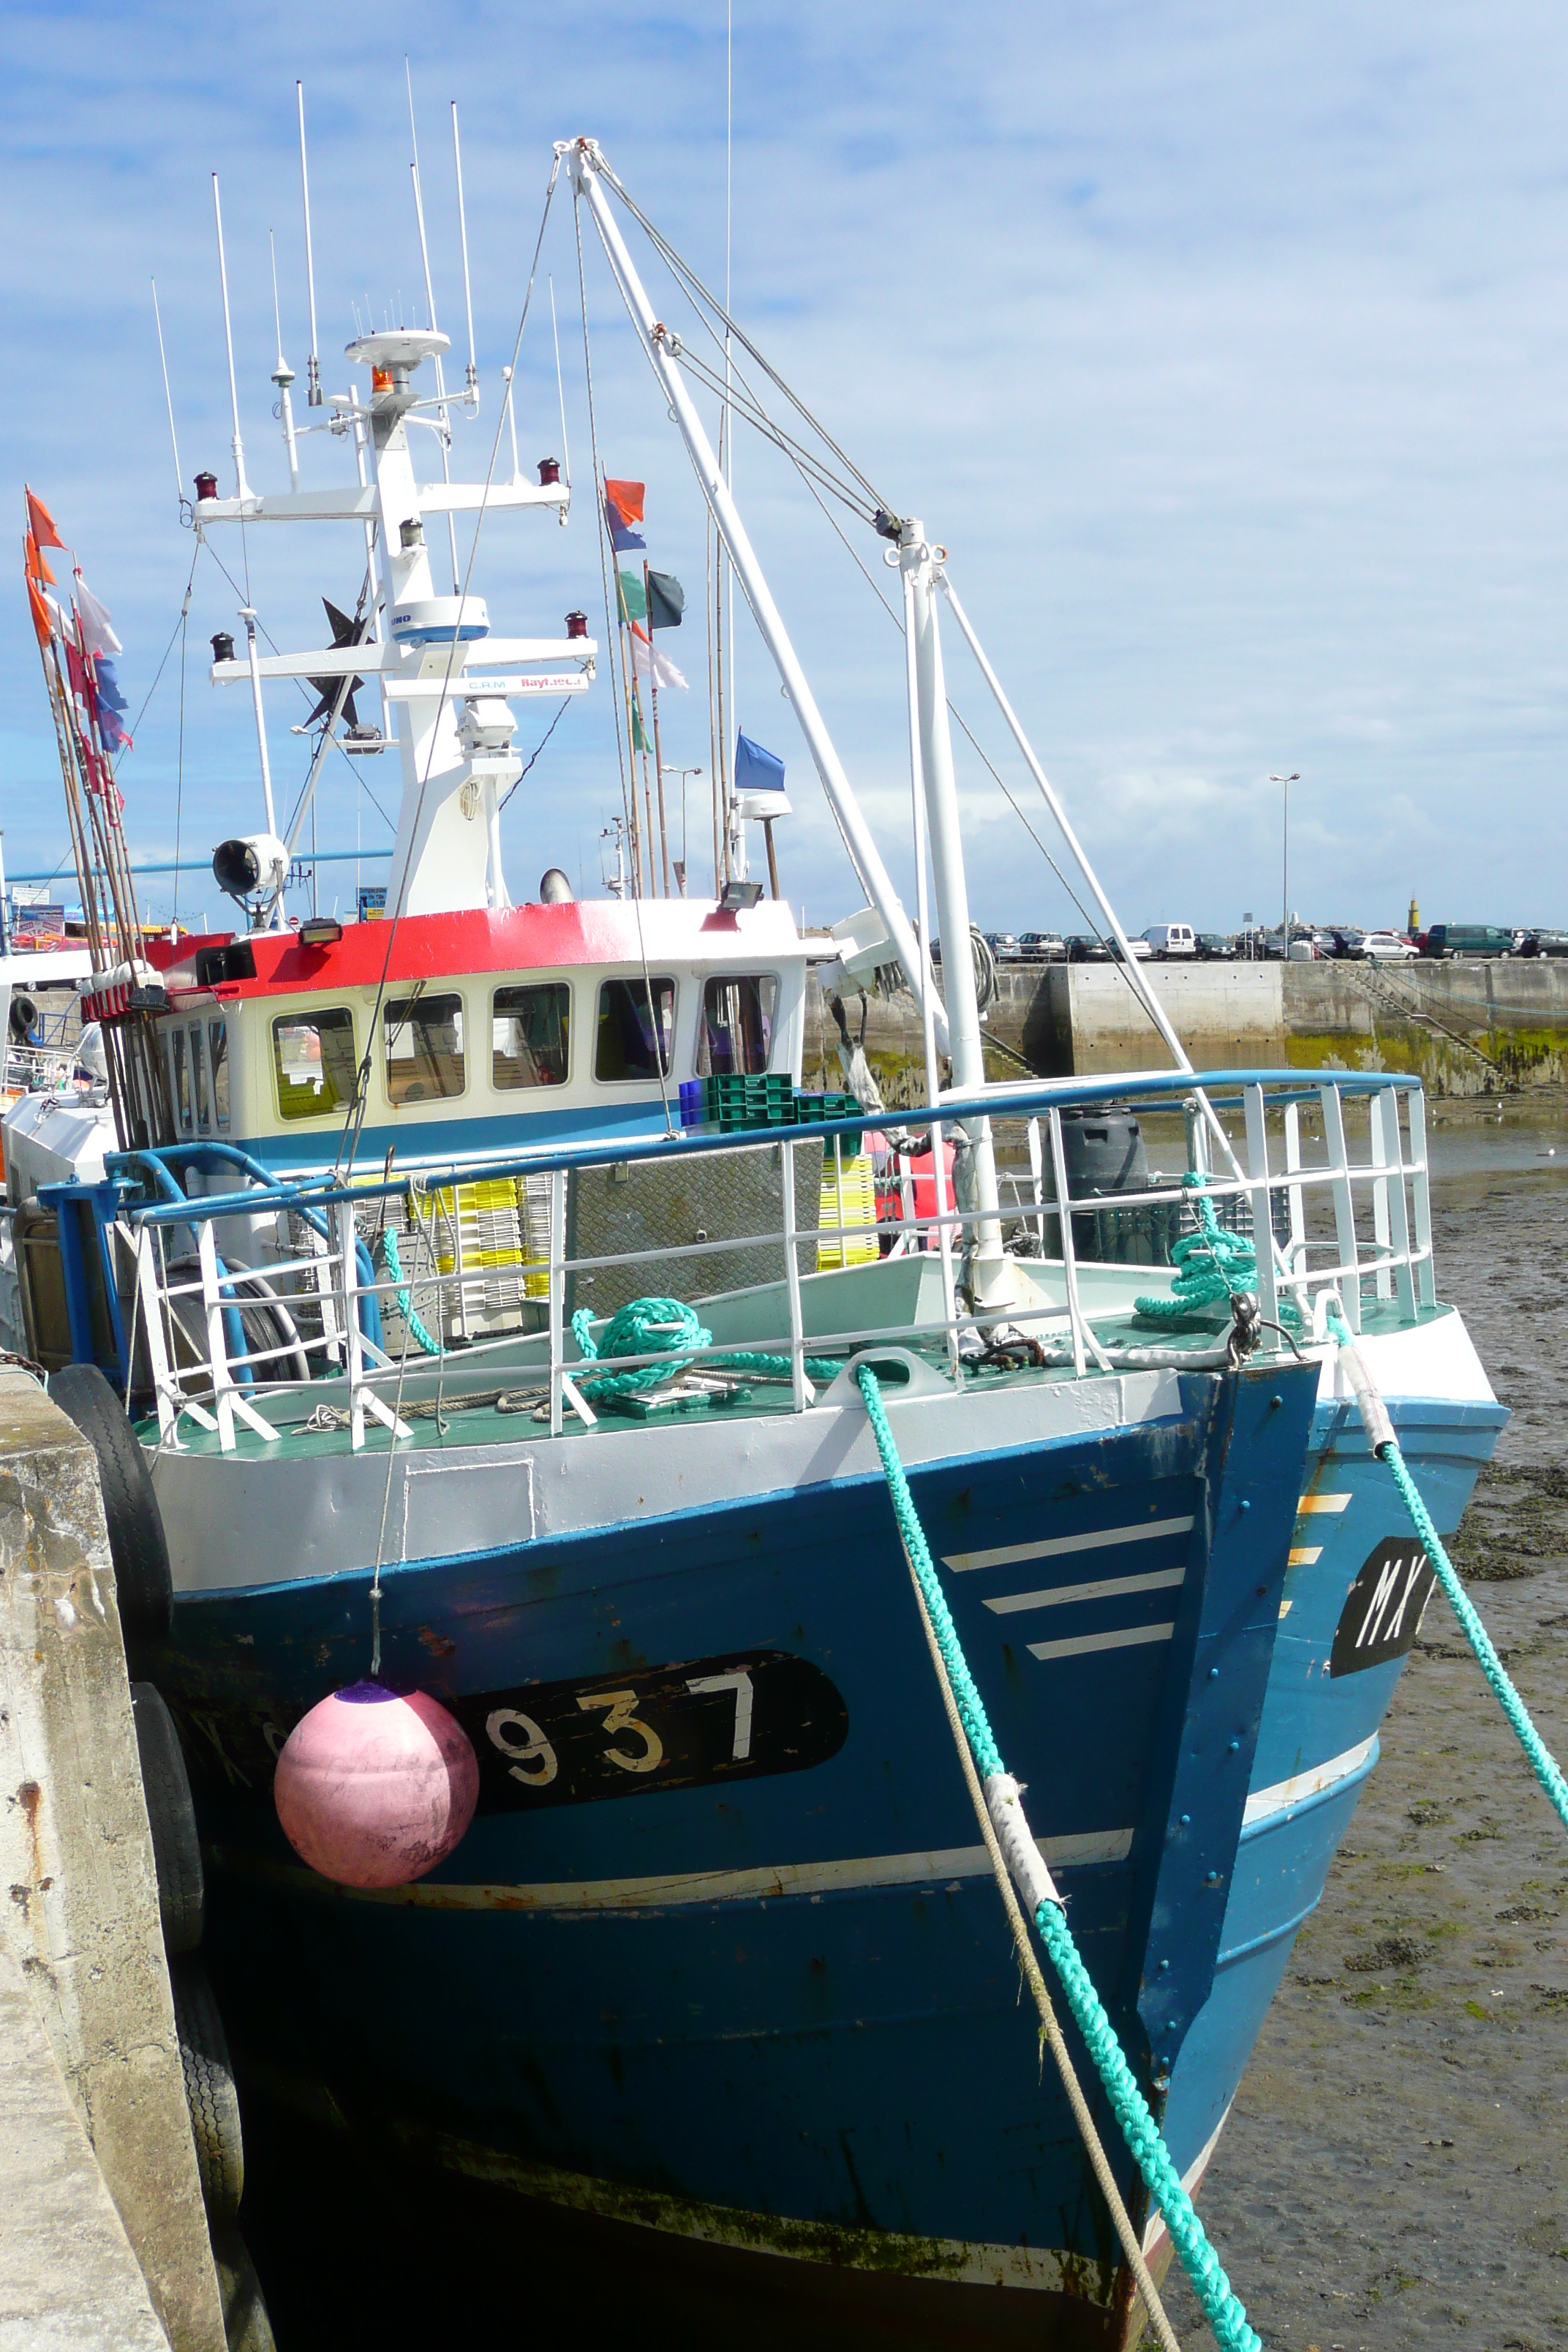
(756, 770)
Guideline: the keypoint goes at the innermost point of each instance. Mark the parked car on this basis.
(1141, 951)
(1445, 941)
(1083, 948)
(1003, 946)
(1171, 940)
(1388, 947)
(1543, 942)
(1212, 947)
(1041, 947)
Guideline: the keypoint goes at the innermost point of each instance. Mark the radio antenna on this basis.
(169, 400)
(472, 379)
(445, 412)
(312, 370)
(242, 488)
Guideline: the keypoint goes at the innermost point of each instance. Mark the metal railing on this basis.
(1328, 1226)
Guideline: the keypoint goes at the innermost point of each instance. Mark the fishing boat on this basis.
(494, 1301)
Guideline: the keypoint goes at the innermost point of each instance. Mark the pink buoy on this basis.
(374, 1790)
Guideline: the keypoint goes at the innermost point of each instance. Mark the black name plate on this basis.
(739, 1717)
(1383, 1607)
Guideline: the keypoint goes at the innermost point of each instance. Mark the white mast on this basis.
(313, 369)
(581, 156)
(241, 487)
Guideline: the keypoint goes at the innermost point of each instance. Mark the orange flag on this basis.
(627, 496)
(36, 567)
(41, 524)
(40, 614)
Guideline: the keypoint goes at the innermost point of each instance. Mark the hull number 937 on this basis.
(710, 1719)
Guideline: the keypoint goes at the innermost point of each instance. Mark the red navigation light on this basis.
(549, 472)
(577, 624)
(207, 486)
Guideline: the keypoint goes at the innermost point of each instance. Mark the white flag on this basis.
(647, 657)
(97, 629)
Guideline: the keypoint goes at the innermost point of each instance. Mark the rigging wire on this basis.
(612, 632)
(566, 704)
(699, 293)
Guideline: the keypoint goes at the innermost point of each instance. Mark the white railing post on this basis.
(217, 1352)
(1382, 1221)
(1070, 1255)
(172, 1398)
(1294, 1195)
(1421, 1200)
(1037, 1177)
(557, 1294)
(1345, 1203)
(363, 1397)
(804, 1394)
(1386, 1110)
(1262, 1205)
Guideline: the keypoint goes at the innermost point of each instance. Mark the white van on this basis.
(1171, 940)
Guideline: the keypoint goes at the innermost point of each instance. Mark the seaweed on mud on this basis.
(1392, 1952)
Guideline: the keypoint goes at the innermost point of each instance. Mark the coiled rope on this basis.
(1214, 1266)
(668, 1327)
(1225, 2313)
(1385, 1447)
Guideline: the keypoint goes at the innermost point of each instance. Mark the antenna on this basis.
(430, 305)
(312, 371)
(283, 376)
(472, 379)
(169, 399)
(242, 489)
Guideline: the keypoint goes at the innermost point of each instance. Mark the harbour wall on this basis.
(1464, 1028)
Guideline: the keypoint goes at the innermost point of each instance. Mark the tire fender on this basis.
(171, 1817)
(143, 1584)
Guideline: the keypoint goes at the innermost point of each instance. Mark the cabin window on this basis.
(217, 1054)
(181, 1084)
(314, 1055)
(736, 1034)
(424, 1048)
(531, 1034)
(624, 1045)
(199, 1083)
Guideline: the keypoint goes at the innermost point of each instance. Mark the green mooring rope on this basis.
(389, 1258)
(667, 1327)
(1225, 2313)
(1543, 1763)
(1215, 1266)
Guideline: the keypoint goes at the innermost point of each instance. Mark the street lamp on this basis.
(1293, 778)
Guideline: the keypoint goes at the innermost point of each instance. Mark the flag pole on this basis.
(772, 861)
(658, 751)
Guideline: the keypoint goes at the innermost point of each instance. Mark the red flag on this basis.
(626, 496)
(78, 671)
(36, 567)
(41, 524)
(40, 614)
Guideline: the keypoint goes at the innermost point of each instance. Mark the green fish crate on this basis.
(810, 1108)
(735, 1105)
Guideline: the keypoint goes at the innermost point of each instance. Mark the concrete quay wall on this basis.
(103, 2235)
(1463, 1027)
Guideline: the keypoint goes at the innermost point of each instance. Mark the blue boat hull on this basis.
(776, 2009)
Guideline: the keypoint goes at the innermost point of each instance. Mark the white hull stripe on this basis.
(696, 1887)
(1159, 1579)
(1057, 1546)
(1131, 1637)
(1323, 1503)
(1309, 1783)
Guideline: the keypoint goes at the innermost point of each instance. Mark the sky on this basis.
(1224, 347)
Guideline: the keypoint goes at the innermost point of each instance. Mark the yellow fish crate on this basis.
(847, 1224)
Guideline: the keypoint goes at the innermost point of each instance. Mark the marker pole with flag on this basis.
(657, 747)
